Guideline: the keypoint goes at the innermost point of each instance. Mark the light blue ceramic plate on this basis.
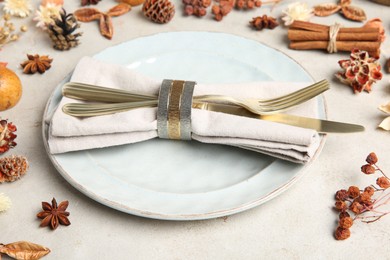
(179, 180)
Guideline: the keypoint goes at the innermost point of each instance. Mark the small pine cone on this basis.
(261, 22)
(12, 168)
(159, 11)
(61, 32)
(7, 135)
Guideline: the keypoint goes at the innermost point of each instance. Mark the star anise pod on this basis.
(54, 215)
(261, 22)
(36, 63)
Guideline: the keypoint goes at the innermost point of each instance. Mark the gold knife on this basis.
(320, 125)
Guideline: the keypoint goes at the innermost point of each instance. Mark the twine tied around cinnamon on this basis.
(333, 31)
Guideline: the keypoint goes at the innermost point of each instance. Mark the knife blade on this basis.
(320, 125)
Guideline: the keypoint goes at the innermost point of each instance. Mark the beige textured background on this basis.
(298, 224)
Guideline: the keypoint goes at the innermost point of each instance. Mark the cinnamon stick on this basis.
(373, 48)
(314, 27)
(299, 35)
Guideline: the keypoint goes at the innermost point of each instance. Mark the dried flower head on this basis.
(7, 31)
(372, 158)
(383, 182)
(385, 124)
(342, 233)
(297, 11)
(360, 71)
(47, 14)
(20, 8)
(344, 214)
(356, 207)
(12, 168)
(346, 222)
(5, 202)
(368, 169)
(369, 190)
(341, 195)
(196, 7)
(353, 192)
(7, 136)
(340, 205)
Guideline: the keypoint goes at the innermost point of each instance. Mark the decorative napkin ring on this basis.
(174, 109)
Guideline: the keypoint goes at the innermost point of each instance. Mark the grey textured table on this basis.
(298, 224)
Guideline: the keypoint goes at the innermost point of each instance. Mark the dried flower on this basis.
(47, 14)
(12, 168)
(353, 192)
(341, 195)
(350, 12)
(360, 71)
(261, 22)
(5, 203)
(297, 11)
(342, 233)
(247, 4)
(340, 205)
(20, 8)
(385, 124)
(7, 135)
(383, 182)
(368, 169)
(54, 215)
(372, 158)
(7, 31)
(36, 63)
(346, 222)
(105, 22)
(158, 11)
(222, 9)
(365, 206)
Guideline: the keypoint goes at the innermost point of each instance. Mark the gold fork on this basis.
(89, 92)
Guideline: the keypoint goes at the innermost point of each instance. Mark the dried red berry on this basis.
(342, 233)
(372, 158)
(368, 169)
(341, 195)
(383, 182)
(353, 192)
(370, 190)
(340, 205)
(356, 207)
(7, 136)
(346, 222)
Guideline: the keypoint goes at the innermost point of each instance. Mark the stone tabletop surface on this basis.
(298, 224)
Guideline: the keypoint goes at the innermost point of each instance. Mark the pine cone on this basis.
(159, 11)
(261, 22)
(61, 32)
(12, 168)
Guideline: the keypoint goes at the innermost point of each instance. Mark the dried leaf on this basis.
(354, 13)
(24, 250)
(326, 9)
(345, 2)
(105, 25)
(385, 108)
(385, 124)
(119, 9)
(87, 14)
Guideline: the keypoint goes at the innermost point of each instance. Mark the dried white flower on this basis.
(45, 14)
(5, 202)
(297, 11)
(385, 125)
(19, 8)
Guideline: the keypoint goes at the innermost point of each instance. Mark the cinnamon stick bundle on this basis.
(308, 36)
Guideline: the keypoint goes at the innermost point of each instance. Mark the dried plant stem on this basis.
(379, 169)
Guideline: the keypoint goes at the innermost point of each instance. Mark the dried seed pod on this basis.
(354, 13)
(12, 168)
(7, 136)
(159, 11)
(222, 9)
(264, 21)
(326, 9)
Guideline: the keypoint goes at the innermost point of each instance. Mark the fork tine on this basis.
(323, 84)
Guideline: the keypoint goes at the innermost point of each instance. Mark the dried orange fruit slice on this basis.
(10, 88)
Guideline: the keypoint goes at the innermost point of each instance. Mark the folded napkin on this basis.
(67, 133)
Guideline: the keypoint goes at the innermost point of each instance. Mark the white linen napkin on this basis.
(67, 133)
